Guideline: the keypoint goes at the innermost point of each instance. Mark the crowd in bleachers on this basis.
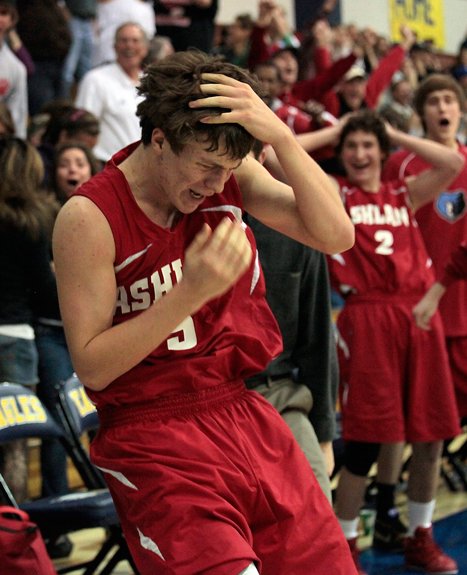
(69, 75)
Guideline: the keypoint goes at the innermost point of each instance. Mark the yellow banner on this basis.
(424, 17)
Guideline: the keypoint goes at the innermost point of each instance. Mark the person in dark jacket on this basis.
(26, 218)
(44, 31)
(302, 381)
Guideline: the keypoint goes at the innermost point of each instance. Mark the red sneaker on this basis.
(422, 553)
(356, 555)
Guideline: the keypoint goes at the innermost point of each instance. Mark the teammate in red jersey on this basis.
(395, 381)
(455, 270)
(439, 102)
(163, 304)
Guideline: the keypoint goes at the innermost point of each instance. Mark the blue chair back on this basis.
(22, 415)
(80, 409)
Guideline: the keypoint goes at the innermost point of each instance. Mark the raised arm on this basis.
(84, 252)
(447, 164)
(309, 209)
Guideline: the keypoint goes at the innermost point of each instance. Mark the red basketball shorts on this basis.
(457, 351)
(395, 379)
(215, 481)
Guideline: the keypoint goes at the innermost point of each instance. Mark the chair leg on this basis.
(91, 566)
(110, 543)
(121, 554)
(118, 556)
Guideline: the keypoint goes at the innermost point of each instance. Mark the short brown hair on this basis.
(366, 121)
(170, 84)
(433, 83)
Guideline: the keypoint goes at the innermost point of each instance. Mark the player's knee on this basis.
(359, 456)
(250, 570)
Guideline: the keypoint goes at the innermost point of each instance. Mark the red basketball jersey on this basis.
(443, 224)
(388, 256)
(230, 338)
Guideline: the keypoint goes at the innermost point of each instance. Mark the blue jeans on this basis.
(79, 58)
(54, 368)
(18, 360)
(18, 364)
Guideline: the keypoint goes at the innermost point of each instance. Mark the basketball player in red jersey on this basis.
(455, 270)
(395, 381)
(439, 101)
(163, 304)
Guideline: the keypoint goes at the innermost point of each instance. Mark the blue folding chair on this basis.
(23, 416)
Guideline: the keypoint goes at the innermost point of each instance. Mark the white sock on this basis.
(349, 527)
(250, 570)
(420, 515)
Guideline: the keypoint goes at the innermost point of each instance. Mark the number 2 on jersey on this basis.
(385, 241)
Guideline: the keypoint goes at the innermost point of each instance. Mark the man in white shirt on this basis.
(110, 92)
(110, 15)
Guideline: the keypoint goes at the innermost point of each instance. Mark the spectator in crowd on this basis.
(20, 50)
(236, 44)
(26, 219)
(315, 54)
(13, 75)
(80, 16)
(459, 70)
(159, 47)
(399, 110)
(271, 32)
(65, 123)
(360, 90)
(301, 383)
(43, 28)
(110, 92)
(111, 14)
(299, 93)
(269, 75)
(74, 164)
(188, 23)
(424, 60)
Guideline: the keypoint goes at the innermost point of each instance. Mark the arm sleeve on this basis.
(259, 49)
(456, 268)
(25, 57)
(316, 355)
(315, 88)
(89, 95)
(17, 101)
(381, 77)
(322, 59)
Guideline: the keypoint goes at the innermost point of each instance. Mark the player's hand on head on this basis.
(242, 106)
(216, 259)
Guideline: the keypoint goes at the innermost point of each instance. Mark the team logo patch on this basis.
(451, 205)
